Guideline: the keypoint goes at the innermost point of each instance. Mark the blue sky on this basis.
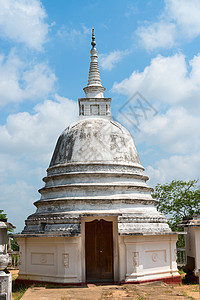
(148, 50)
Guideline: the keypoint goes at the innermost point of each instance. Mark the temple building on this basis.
(96, 220)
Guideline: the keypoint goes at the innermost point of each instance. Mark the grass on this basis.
(18, 292)
(181, 271)
(185, 294)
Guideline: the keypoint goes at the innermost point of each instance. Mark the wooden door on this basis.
(99, 250)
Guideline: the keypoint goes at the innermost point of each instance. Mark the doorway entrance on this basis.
(99, 250)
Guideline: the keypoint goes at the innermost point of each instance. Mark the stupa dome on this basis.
(95, 140)
(95, 170)
(96, 220)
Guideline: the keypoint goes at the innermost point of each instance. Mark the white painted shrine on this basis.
(96, 219)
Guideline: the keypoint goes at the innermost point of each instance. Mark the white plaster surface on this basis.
(55, 259)
(95, 172)
(147, 257)
(61, 259)
(192, 241)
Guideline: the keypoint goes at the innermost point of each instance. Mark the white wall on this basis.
(55, 259)
(147, 257)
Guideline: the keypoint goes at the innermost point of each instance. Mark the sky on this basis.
(149, 61)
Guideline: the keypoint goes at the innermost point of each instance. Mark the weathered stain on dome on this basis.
(93, 140)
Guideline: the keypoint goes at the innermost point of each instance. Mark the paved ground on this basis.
(149, 291)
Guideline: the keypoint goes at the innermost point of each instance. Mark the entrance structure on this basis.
(99, 250)
(96, 219)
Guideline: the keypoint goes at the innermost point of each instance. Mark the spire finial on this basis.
(94, 87)
(94, 104)
(93, 43)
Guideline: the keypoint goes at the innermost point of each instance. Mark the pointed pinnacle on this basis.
(93, 43)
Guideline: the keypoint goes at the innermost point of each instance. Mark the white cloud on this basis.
(23, 21)
(186, 14)
(184, 167)
(33, 135)
(19, 82)
(108, 61)
(27, 143)
(176, 131)
(38, 81)
(165, 81)
(86, 30)
(180, 20)
(8, 166)
(17, 202)
(72, 34)
(173, 87)
(157, 35)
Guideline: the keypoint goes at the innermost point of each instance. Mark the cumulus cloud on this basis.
(166, 80)
(175, 131)
(17, 201)
(34, 135)
(180, 19)
(172, 86)
(157, 35)
(38, 81)
(23, 21)
(184, 167)
(19, 81)
(108, 61)
(186, 14)
(8, 166)
(27, 142)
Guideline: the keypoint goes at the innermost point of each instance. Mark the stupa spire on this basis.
(94, 104)
(94, 88)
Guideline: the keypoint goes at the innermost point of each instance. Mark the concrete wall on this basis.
(55, 259)
(62, 259)
(144, 258)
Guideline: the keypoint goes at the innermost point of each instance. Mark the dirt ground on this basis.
(191, 290)
(148, 291)
(14, 273)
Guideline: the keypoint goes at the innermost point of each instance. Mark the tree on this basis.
(2, 214)
(178, 199)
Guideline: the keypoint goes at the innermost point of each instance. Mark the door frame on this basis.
(114, 220)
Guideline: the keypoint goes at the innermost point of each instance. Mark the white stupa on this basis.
(96, 219)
